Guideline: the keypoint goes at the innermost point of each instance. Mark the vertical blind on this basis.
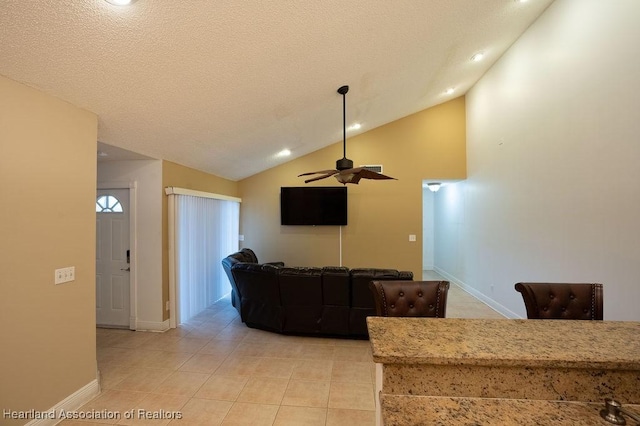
(205, 231)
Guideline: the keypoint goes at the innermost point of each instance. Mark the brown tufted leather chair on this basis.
(410, 298)
(562, 300)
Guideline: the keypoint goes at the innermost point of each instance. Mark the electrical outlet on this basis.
(240, 237)
(64, 275)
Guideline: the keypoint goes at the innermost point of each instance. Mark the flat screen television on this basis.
(313, 205)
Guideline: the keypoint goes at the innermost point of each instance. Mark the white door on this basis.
(112, 258)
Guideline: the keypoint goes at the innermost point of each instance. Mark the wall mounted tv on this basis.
(313, 205)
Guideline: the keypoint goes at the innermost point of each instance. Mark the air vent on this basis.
(373, 167)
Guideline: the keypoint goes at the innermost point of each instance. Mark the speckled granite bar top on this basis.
(404, 410)
(505, 342)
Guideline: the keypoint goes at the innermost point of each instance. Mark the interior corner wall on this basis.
(553, 189)
(381, 214)
(185, 177)
(147, 253)
(428, 231)
(47, 221)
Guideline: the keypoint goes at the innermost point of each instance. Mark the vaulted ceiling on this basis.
(223, 86)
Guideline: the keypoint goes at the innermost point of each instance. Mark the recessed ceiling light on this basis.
(354, 126)
(284, 153)
(449, 91)
(120, 2)
(477, 57)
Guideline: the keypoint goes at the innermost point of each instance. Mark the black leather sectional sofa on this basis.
(332, 301)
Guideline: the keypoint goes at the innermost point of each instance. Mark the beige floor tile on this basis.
(156, 409)
(203, 363)
(106, 339)
(263, 390)
(242, 413)
(115, 355)
(352, 372)
(143, 379)
(224, 388)
(232, 333)
(361, 343)
(306, 394)
(343, 417)
(314, 340)
(356, 396)
(162, 359)
(133, 340)
(219, 347)
(299, 416)
(174, 332)
(352, 353)
(112, 374)
(177, 344)
(310, 351)
(238, 366)
(249, 349)
(115, 401)
(161, 342)
(205, 331)
(314, 370)
(182, 383)
(192, 344)
(253, 335)
(141, 358)
(282, 349)
(279, 368)
(203, 412)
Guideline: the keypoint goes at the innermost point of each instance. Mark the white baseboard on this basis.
(69, 404)
(475, 293)
(152, 326)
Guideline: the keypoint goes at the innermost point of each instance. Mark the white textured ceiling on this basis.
(221, 86)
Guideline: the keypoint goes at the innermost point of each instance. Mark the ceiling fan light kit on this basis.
(345, 172)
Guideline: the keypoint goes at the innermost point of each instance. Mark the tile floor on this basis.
(216, 371)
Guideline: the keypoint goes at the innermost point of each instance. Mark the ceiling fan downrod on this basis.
(344, 163)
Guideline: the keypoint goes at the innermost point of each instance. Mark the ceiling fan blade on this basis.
(365, 173)
(332, 172)
(318, 172)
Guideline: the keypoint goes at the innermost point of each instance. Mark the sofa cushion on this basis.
(248, 255)
(300, 286)
(260, 304)
(336, 284)
(301, 295)
(361, 296)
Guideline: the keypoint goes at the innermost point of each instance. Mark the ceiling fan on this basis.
(345, 172)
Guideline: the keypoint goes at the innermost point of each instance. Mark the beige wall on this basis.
(47, 220)
(426, 145)
(184, 177)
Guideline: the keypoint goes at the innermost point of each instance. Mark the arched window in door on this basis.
(108, 204)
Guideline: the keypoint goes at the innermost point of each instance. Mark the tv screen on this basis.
(313, 205)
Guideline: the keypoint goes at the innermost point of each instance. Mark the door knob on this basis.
(125, 269)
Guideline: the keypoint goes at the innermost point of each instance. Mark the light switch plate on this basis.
(412, 237)
(64, 275)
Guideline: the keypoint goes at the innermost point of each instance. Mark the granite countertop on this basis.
(405, 410)
(611, 345)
